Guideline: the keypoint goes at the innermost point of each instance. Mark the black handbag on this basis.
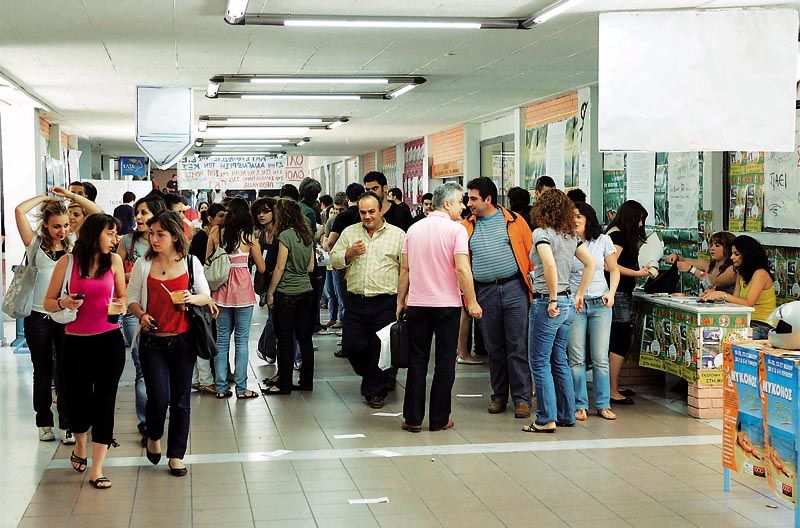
(202, 322)
(665, 282)
(399, 342)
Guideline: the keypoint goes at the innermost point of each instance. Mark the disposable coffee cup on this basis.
(177, 299)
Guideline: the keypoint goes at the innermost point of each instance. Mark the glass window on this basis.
(497, 163)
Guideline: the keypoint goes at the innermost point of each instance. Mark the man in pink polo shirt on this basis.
(434, 272)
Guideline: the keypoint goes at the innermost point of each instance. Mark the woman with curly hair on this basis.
(754, 284)
(553, 309)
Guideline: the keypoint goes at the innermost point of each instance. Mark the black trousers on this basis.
(45, 339)
(168, 365)
(423, 324)
(93, 366)
(363, 316)
(294, 317)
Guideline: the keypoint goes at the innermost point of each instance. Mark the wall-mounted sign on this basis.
(447, 170)
(133, 166)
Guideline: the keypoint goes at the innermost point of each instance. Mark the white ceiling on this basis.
(85, 58)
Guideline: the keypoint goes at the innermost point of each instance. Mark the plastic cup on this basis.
(115, 309)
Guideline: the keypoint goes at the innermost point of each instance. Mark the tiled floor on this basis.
(652, 468)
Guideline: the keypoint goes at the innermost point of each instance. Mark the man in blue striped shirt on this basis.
(500, 241)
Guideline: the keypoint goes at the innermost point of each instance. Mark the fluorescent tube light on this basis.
(554, 11)
(302, 97)
(234, 14)
(385, 24)
(401, 91)
(301, 142)
(202, 125)
(335, 124)
(253, 141)
(272, 120)
(318, 80)
(212, 90)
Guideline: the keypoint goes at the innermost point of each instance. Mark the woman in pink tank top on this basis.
(94, 349)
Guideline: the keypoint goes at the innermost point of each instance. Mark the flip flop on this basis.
(223, 395)
(274, 391)
(471, 360)
(246, 395)
(533, 428)
(75, 459)
(100, 482)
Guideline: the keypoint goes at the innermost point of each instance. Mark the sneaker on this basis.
(298, 364)
(68, 438)
(46, 434)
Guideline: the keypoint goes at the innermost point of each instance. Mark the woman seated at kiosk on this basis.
(717, 273)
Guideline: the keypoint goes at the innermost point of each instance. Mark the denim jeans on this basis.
(294, 318)
(129, 326)
(547, 349)
(504, 326)
(168, 363)
(236, 322)
(335, 301)
(45, 339)
(592, 326)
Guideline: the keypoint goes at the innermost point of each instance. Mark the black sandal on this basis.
(100, 480)
(223, 395)
(75, 459)
(274, 391)
(246, 395)
(533, 428)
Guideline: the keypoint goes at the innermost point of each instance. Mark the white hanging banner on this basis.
(689, 81)
(782, 186)
(164, 116)
(238, 172)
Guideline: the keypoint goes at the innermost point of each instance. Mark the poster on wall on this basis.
(782, 186)
(555, 143)
(754, 202)
(555, 150)
(413, 168)
(683, 189)
(640, 168)
(134, 167)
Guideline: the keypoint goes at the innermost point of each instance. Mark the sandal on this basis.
(274, 390)
(533, 428)
(208, 389)
(581, 416)
(271, 382)
(469, 360)
(223, 395)
(246, 395)
(608, 414)
(100, 483)
(78, 464)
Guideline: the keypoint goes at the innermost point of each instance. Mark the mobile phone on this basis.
(153, 324)
(78, 296)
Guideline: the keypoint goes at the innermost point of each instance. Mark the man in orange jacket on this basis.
(500, 242)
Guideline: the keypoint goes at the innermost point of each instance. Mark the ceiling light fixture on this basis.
(302, 142)
(313, 123)
(339, 122)
(401, 91)
(551, 12)
(235, 12)
(318, 80)
(253, 141)
(202, 124)
(379, 22)
(213, 89)
(302, 97)
(214, 83)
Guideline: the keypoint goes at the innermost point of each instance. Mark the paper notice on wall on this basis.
(613, 161)
(584, 175)
(683, 189)
(556, 142)
(781, 190)
(641, 180)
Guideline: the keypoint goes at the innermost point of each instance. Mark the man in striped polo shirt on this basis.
(499, 243)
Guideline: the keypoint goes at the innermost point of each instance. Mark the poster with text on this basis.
(683, 189)
(640, 169)
(231, 172)
(754, 198)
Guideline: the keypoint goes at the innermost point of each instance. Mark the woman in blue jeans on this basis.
(236, 297)
(592, 325)
(553, 309)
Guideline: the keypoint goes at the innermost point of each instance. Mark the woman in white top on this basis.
(592, 326)
(43, 249)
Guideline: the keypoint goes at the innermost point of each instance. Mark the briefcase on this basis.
(400, 343)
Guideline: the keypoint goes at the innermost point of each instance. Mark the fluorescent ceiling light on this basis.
(301, 142)
(256, 132)
(401, 91)
(271, 120)
(202, 125)
(212, 90)
(337, 123)
(555, 10)
(318, 80)
(303, 97)
(234, 14)
(250, 141)
(377, 23)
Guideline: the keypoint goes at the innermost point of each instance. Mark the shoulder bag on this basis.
(217, 268)
(18, 301)
(399, 342)
(202, 321)
(66, 315)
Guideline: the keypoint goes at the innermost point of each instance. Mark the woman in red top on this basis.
(159, 293)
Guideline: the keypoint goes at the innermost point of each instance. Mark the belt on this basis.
(497, 282)
(564, 293)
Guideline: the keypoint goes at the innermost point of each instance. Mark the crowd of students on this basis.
(541, 285)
